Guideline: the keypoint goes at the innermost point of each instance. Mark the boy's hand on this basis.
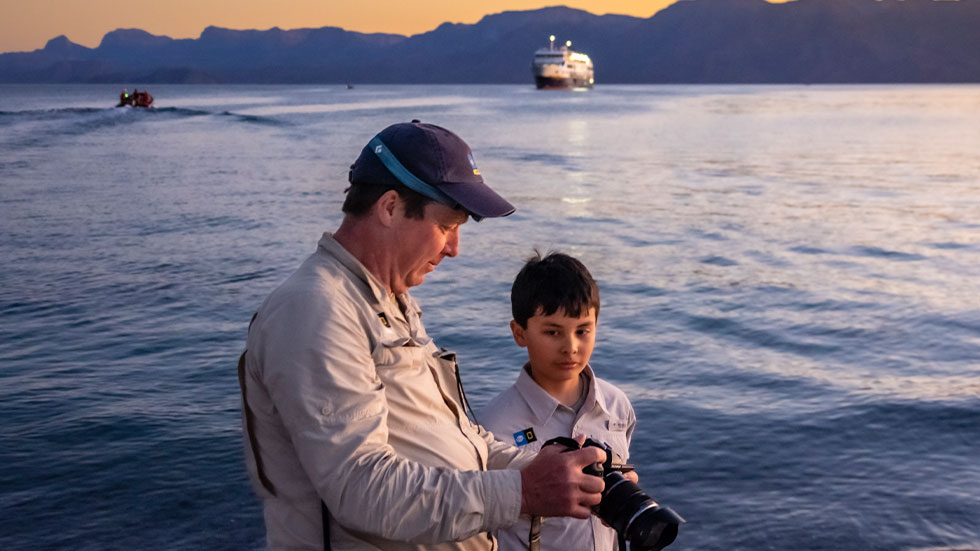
(553, 484)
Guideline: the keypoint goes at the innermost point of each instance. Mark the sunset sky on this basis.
(26, 25)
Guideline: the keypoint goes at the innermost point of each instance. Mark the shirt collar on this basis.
(378, 293)
(543, 405)
(596, 396)
(333, 248)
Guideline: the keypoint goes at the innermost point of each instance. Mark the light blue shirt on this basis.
(526, 415)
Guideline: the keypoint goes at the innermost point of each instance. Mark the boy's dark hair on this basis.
(361, 196)
(556, 281)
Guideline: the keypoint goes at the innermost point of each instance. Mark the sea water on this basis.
(789, 281)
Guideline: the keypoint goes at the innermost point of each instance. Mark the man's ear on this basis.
(519, 334)
(387, 206)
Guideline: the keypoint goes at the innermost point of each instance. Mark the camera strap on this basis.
(534, 536)
(569, 443)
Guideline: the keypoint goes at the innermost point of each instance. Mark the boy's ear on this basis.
(518, 332)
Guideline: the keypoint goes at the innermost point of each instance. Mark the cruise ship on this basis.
(561, 67)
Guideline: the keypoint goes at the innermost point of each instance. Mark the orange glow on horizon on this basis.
(27, 26)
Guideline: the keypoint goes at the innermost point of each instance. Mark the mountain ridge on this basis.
(690, 41)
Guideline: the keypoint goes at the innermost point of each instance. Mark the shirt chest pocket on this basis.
(397, 362)
(615, 436)
(409, 385)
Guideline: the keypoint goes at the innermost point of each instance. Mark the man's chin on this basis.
(414, 281)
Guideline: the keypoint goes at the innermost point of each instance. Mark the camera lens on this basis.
(635, 516)
(632, 513)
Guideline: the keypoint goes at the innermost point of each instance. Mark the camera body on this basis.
(636, 517)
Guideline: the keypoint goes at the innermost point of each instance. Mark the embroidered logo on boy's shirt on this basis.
(616, 426)
(526, 436)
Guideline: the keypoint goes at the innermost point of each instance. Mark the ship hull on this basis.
(551, 83)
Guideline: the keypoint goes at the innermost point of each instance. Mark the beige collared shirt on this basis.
(351, 402)
(605, 416)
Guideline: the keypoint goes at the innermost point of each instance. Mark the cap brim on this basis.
(478, 199)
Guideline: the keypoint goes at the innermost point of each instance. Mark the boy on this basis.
(555, 303)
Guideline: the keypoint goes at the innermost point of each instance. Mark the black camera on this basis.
(636, 517)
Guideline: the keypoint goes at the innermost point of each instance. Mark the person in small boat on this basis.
(354, 421)
(555, 304)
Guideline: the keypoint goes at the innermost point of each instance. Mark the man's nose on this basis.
(452, 244)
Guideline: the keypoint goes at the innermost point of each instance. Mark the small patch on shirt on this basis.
(526, 436)
(384, 320)
(618, 426)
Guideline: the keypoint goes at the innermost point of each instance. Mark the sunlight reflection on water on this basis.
(788, 280)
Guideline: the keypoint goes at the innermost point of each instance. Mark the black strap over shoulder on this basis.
(249, 427)
(325, 516)
(250, 420)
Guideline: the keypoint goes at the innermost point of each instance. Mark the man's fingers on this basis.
(588, 500)
(591, 484)
(591, 499)
(581, 512)
(554, 483)
(586, 456)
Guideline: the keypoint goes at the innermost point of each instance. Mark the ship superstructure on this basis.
(555, 67)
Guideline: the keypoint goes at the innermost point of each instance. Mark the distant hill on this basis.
(692, 41)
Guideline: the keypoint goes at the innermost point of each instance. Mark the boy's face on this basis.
(558, 346)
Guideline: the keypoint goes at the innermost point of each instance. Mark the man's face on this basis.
(558, 346)
(422, 244)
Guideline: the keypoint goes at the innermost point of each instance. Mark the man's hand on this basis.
(553, 484)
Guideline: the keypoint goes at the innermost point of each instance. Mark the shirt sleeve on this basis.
(631, 424)
(321, 377)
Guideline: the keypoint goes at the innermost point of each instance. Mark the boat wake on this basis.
(120, 115)
(36, 127)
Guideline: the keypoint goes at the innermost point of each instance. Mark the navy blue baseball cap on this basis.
(432, 161)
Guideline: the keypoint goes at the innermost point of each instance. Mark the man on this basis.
(356, 436)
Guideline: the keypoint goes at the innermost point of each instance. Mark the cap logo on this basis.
(476, 171)
(404, 176)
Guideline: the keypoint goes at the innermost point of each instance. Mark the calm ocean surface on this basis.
(790, 279)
